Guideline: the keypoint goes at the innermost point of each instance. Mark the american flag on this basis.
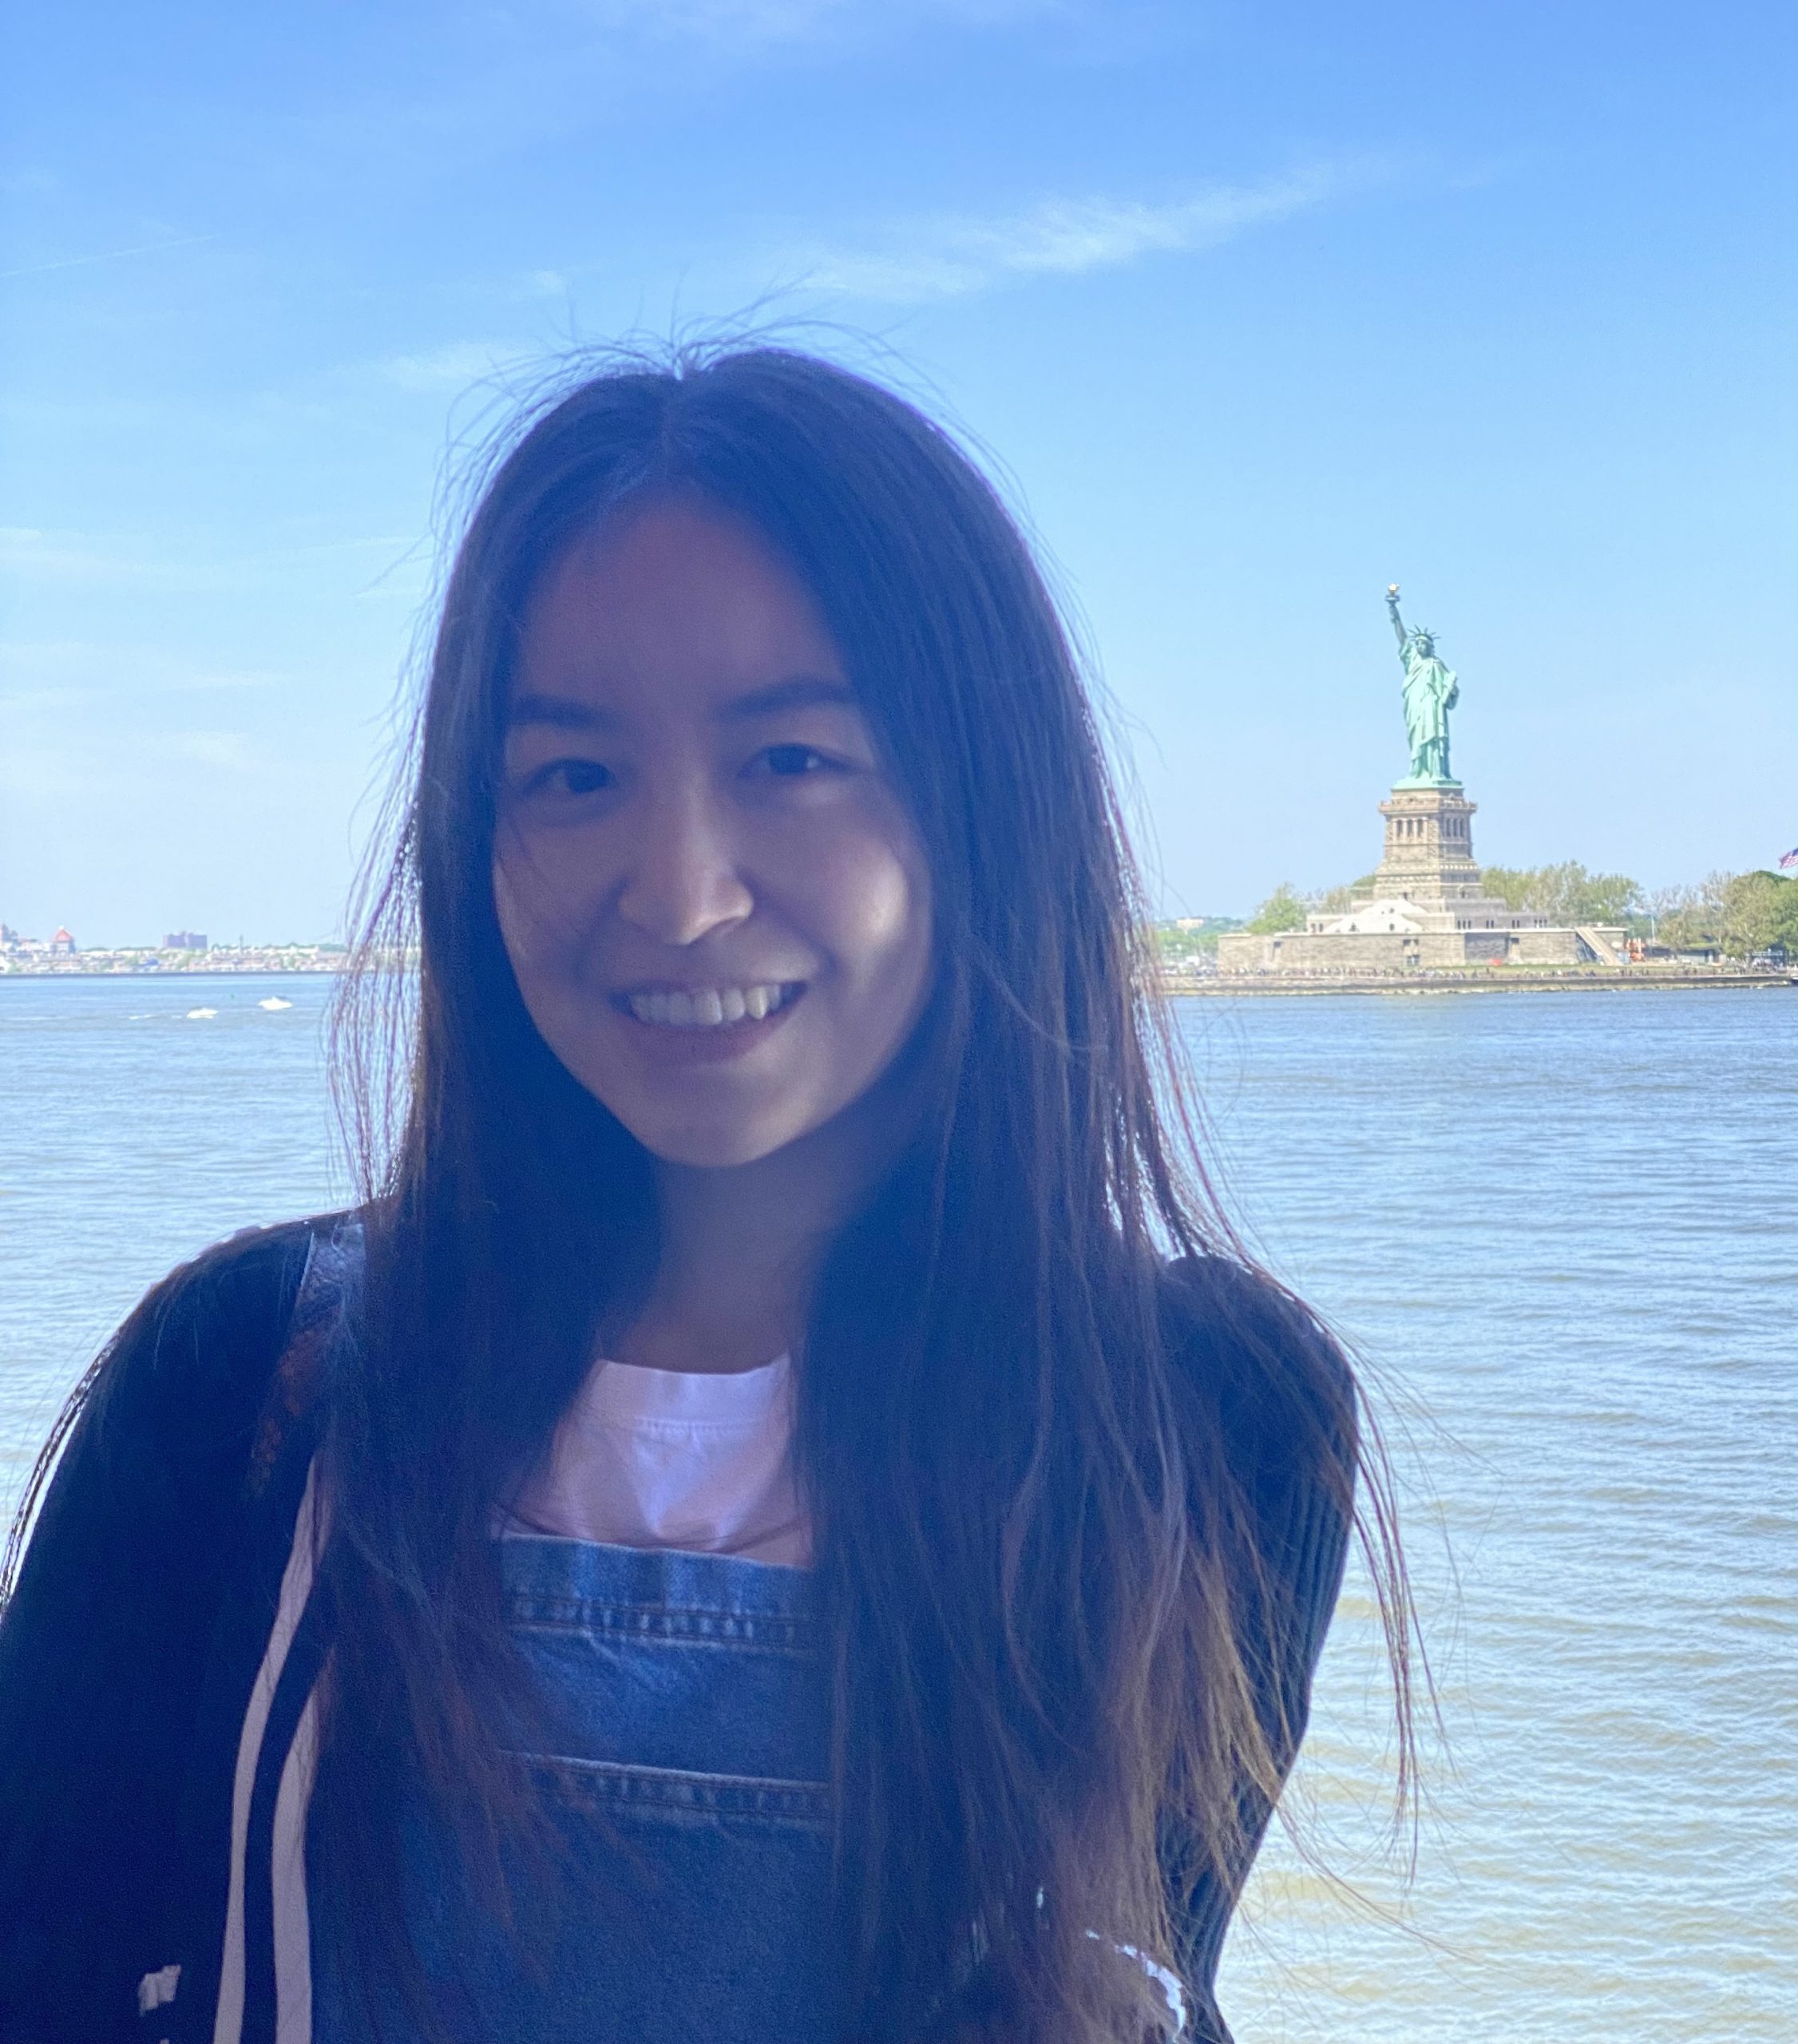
(1791, 858)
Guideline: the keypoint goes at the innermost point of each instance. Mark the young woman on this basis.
(783, 1514)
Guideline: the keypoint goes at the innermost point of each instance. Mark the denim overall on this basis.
(687, 1781)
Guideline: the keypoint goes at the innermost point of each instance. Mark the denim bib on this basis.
(687, 1785)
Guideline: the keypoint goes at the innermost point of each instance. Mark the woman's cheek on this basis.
(861, 890)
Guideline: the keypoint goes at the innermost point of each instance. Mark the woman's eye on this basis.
(569, 777)
(790, 762)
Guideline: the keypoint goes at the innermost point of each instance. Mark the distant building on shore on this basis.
(1427, 908)
(184, 940)
(30, 955)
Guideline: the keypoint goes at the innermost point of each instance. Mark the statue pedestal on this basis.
(1429, 847)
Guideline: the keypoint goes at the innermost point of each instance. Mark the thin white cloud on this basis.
(750, 24)
(233, 751)
(30, 557)
(716, 21)
(46, 756)
(948, 255)
(108, 255)
(53, 674)
(455, 365)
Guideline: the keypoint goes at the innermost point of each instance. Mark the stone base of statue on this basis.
(1428, 857)
(1426, 910)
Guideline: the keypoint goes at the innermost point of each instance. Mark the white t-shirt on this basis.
(674, 1459)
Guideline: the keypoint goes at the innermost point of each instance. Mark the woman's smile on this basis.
(709, 1024)
(708, 1007)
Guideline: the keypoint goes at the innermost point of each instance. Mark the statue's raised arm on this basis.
(1392, 611)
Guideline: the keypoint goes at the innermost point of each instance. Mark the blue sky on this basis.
(1259, 307)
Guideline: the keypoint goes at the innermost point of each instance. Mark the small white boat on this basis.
(273, 1003)
(201, 1014)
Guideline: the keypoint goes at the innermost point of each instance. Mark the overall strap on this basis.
(328, 1287)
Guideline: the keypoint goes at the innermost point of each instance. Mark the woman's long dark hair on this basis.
(1035, 1552)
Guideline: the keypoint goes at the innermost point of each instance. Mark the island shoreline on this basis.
(1228, 986)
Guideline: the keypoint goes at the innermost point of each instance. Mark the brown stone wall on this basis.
(1298, 951)
(1375, 951)
(1549, 947)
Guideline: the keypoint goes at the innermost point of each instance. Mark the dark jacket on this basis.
(144, 1606)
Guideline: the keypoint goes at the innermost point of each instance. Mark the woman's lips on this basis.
(707, 1025)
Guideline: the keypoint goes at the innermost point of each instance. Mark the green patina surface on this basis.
(1430, 692)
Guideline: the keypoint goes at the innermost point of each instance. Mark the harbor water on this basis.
(1562, 1230)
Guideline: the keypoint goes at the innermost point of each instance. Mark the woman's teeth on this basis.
(709, 1007)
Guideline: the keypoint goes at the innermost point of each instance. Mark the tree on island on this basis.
(1567, 894)
(1759, 912)
(1338, 900)
(1192, 940)
(1690, 918)
(1285, 908)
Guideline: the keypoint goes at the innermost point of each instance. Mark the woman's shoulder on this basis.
(1274, 1401)
(1265, 1369)
(188, 1369)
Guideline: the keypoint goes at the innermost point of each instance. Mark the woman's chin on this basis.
(713, 1146)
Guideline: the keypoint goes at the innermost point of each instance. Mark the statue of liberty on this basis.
(1430, 692)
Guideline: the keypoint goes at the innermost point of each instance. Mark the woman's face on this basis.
(714, 903)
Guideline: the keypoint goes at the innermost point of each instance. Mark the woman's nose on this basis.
(684, 882)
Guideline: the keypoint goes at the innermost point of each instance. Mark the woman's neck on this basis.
(739, 1248)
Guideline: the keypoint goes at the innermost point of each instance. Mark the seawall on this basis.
(1226, 985)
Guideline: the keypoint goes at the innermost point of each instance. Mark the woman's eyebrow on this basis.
(563, 713)
(801, 692)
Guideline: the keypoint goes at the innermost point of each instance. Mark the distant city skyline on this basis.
(63, 938)
(1257, 311)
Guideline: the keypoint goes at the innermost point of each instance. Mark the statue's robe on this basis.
(1430, 692)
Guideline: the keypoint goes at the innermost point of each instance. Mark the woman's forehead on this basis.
(676, 598)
